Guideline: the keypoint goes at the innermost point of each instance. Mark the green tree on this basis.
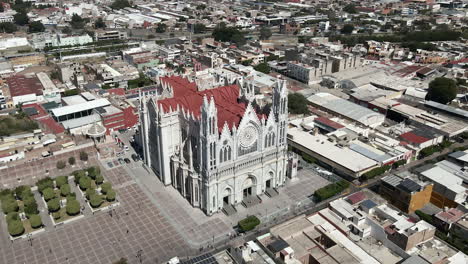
(15, 228)
(9, 205)
(65, 190)
(265, 33)
(36, 26)
(161, 28)
(262, 67)
(71, 160)
(297, 104)
(53, 205)
(231, 34)
(20, 190)
(99, 179)
(35, 221)
(72, 207)
(85, 183)
(30, 206)
(61, 164)
(199, 28)
(350, 8)
(48, 194)
(89, 193)
(110, 196)
(99, 23)
(61, 180)
(8, 27)
(21, 18)
(105, 187)
(83, 156)
(93, 172)
(120, 4)
(66, 30)
(442, 90)
(77, 22)
(45, 183)
(96, 200)
(347, 29)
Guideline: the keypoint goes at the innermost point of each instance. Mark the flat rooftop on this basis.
(319, 144)
(88, 105)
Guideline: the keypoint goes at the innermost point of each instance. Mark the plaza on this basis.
(152, 222)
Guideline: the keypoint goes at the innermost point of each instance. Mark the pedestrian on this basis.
(127, 231)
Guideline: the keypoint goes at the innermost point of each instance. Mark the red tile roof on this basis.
(451, 216)
(22, 85)
(328, 122)
(356, 197)
(413, 138)
(51, 125)
(117, 91)
(187, 96)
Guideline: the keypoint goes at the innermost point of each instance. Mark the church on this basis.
(215, 144)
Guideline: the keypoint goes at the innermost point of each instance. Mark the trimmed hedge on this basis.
(61, 180)
(375, 172)
(35, 221)
(105, 187)
(10, 205)
(44, 184)
(78, 174)
(96, 200)
(15, 228)
(428, 151)
(248, 223)
(65, 190)
(99, 179)
(53, 205)
(48, 194)
(331, 190)
(30, 206)
(93, 172)
(110, 196)
(90, 192)
(73, 207)
(85, 183)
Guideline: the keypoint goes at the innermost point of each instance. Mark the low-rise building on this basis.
(407, 194)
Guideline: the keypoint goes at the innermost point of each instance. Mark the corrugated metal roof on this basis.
(70, 109)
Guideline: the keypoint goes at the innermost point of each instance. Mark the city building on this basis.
(101, 35)
(213, 145)
(407, 194)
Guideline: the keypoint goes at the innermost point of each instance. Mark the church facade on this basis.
(216, 146)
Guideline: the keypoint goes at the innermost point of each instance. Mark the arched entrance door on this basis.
(227, 194)
(249, 186)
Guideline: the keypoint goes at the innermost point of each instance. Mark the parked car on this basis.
(127, 160)
(135, 157)
(110, 164)
(121, 161)
(126, 148)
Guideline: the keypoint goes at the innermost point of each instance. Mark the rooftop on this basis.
(187, 97)
(88, 105)
(342, 155)
(22, 85)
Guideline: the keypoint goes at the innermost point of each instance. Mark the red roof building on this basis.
(21, 85)
(187, 97)
(412, 138)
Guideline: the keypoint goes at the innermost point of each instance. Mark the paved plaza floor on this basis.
(153, 221)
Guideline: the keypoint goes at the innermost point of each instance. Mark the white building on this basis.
(42, 40)
(212, 145)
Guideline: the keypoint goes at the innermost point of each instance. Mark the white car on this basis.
(126, 148)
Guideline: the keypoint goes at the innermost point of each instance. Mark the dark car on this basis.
(110, 164)
(135, 157)
(127, 160)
